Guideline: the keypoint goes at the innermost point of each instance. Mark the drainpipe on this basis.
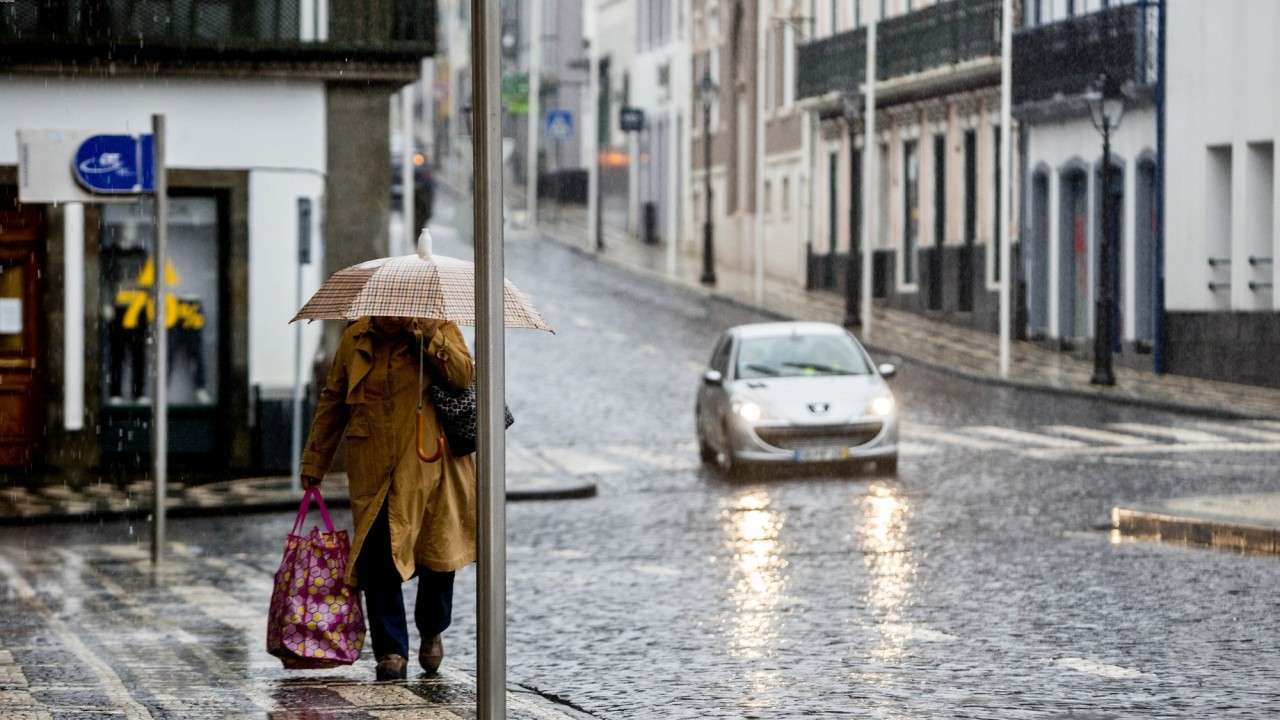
(1157, 339)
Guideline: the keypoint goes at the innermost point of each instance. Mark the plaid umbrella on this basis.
(422, 286)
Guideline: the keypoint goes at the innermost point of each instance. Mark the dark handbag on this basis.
(458, 414)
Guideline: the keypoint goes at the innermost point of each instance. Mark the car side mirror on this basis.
(713, 377)
(888, 370)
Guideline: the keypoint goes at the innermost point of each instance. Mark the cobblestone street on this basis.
(981, 582)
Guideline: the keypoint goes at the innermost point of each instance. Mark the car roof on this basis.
(775, 329)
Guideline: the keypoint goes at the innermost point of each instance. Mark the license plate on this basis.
(822, 454)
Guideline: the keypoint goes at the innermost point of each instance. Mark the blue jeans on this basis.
(384, 603)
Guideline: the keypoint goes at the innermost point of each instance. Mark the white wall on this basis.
(274, 129)
(1223, 75)
(1056, 147)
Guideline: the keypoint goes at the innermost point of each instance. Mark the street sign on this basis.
(45, 160)
(560, 124)
(632, 119)
(515, 93)
(116, 164)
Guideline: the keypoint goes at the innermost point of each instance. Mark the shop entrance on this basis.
(21, 335)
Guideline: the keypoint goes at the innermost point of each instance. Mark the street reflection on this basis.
(757, 575)
(891, 568)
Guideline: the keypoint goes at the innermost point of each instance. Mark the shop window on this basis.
(191, 302)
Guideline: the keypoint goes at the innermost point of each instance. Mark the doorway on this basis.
(22, 334)
(939, 220)
(970, 220)
(1112, 228)
(1144, 233)
(1039, 255)
(1073, 255)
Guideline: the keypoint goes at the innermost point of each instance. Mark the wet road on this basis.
(973, 585)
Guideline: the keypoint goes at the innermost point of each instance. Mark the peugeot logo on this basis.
(819, 408)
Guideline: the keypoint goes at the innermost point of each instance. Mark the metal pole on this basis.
(761, 69)
(1157, 332)
(73, 308)
(1102, 374)
(409, 148)
(304, 255)
(708, 229)
(870, 171)
(591, 126)
(535, 111)
(490, 441)
(160, 392)
(1006, 172)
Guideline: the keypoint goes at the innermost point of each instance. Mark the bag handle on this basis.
(311, 493)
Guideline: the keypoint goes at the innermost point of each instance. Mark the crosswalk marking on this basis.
(666, 461)
(929, 432)
(1098, 436)
(1240, 430)
(1028, 438)
(1154, 449)
(1176, 434)
(580, 463)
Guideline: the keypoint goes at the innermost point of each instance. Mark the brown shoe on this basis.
(392, 667)
(431, 654)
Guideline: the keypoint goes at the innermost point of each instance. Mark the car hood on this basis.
(814, 399)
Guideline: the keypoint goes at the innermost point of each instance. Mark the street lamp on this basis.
(1106, 110)
(707, 91)
(853, 265)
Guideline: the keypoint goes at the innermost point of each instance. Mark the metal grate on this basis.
(820, 436)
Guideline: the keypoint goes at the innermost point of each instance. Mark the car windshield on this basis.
(799, 355)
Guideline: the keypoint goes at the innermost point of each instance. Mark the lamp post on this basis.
(853, 265)
(707, 90)
(1106, 109)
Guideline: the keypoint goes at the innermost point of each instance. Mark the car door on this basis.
(713, 398)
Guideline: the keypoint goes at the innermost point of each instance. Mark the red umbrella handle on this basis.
(440, 442)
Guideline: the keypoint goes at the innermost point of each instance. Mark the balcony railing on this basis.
(837, 63)
(375, 29)
(938, 36)
(1064, 59)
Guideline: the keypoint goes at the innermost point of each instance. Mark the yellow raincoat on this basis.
(371, 395)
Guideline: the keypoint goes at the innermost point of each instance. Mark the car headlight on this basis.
(882, 406)
(748, 410)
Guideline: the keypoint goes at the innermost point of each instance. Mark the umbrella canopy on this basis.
(420, 286)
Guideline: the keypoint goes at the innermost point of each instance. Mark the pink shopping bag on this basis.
(315, 620)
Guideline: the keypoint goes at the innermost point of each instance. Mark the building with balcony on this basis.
(278, 129)
(1064, 55)
(935, 243)
(1222, 208)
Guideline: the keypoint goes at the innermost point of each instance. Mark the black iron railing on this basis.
(837, 63)
(29, 27)
(1064, 59)
(941, 35)
(937, 36)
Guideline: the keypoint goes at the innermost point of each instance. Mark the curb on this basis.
(1222, 533)
(1153, 404)
(278, 498)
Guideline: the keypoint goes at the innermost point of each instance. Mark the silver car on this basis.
(795, 392)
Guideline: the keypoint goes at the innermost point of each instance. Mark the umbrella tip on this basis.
(424, 244)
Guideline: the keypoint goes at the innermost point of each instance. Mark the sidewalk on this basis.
(92, 498)
(92, 630)
(961, 351)
(1247, 523)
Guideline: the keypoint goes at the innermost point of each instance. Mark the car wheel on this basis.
(887, 466)
(729, 466)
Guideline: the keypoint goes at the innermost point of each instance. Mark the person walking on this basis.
(412, 517)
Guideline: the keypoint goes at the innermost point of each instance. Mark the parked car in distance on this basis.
(795, 392)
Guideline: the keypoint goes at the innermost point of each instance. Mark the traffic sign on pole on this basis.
(559, 124)
(116, 164)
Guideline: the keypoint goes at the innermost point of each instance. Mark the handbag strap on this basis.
(311, 493)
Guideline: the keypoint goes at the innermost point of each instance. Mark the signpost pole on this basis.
(491, 586)
(1006, 177)
(534, 110)
(304, 258)
(870, 174)
(159, 395)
